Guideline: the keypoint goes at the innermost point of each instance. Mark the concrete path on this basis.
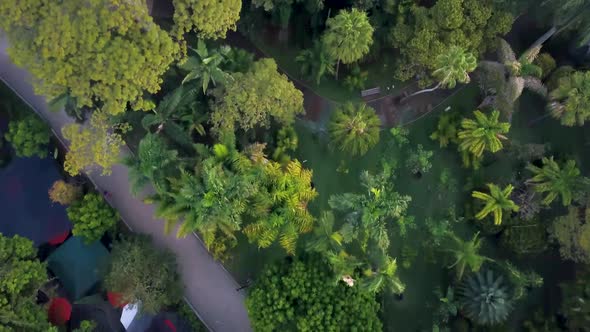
(209, 288)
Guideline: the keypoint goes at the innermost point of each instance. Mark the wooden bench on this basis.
(370, 92)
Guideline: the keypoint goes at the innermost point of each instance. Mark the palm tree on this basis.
(496, 202)
(482, 133)
(354, 128)
(348, 36)
(570, 101)
(206, 66)
(556, 181)
(325, 238)
(452, 66)
(315, 62)
(382, 274)
(511, 75)
(150, 165)
(466, 254)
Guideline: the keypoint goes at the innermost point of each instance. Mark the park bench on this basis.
(370, 92)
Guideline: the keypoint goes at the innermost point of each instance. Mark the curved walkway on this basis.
(209, 288)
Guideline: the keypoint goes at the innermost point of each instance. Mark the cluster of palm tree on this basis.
(555, 181)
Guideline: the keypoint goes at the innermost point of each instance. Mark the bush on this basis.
(64, 193)
(92, 217)
(419, 160)
(29, 136)
(560, 72)
(141, 272)
(302, 296)
(547, 64)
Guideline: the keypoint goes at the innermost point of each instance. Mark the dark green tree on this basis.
(485, 298)
(206, 65)
(569, 101)
(554, 180)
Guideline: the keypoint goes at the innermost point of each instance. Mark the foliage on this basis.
(64, 193)
(105, 52)
(348, 36)
(541, 322)
(453, 66)
(446, 129)
(399, 136)
(555, 180)
(254, 98)
(95, 144)
(287, 141)
(238, 60)
(547, 64)
(22, 276)
(572, 233)
(484, 133)
(570, 99)
(152, 164)
(448, 306)
(300, 296)
(466, 254)
(485, 298)
(188, 315)
(576, 303)
(496, 202)
(558, 74)
(92, 217)
(421, 34)
(370, 212)
(86, 326)
(29, 136)
(354, 128)
(356, 79)
(315, 62)
(280, 204)
(206, 65)
(419, 160)
(208, 18)
(525, 238)
(141, 272)
(520, 281)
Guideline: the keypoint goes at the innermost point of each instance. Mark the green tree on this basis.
(22, 276)
(485, 298)
(280, 205)
(348, 36)
(29, 136)
(152, 164)
(92, 217)
(484, 133)
(141, 272)
(208, 18)
(101, 52)
(206, 66)
(419, 160)
(446, 129)
(466, 254)
(300, 296)
(569, 101)
(572, 233)
(555, 180)
(354, 128)
(497, 201)
(315, 62)
(254, 98)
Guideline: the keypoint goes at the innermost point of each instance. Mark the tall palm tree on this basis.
(556, 181)
(452, 66)
(153, 160)
(496, 202)
(570, 101)
(206, 65)
(512, 75)
(348, 36)
(466, 254)
(315, 62)
(482, 133)
(354, 128)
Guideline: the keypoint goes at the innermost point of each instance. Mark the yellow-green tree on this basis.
(254, 98)
(208, 18)
(94, 144)
(104, 53)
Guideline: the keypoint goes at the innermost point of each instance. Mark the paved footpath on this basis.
(209, 288)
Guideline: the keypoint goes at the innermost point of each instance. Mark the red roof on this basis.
(59, 311)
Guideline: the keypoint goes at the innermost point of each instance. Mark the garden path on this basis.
(209, 288)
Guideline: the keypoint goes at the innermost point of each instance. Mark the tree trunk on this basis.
(337, 67)
(420, 92)
(541, 40)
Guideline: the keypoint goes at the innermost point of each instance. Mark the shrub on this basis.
(302, 296)
(547, 64)
(559, 73)
(92, 217)
(64, 193)
(29, 136)
(419, 160)
(141, 272)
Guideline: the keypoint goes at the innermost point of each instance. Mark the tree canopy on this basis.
(348, 36)
(354, 128)
(29, 136)
(208, 18)
(105, 53)
(92, 217)
(570, 101)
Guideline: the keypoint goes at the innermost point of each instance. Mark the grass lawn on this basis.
(425, 271)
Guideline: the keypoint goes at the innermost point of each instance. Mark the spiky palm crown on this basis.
(496, 202)
(453, 66)
(354, 128)
(482, 133)
(555, 180)
(485, 298)
(466, 254)
(571, 99)
(348, 35)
